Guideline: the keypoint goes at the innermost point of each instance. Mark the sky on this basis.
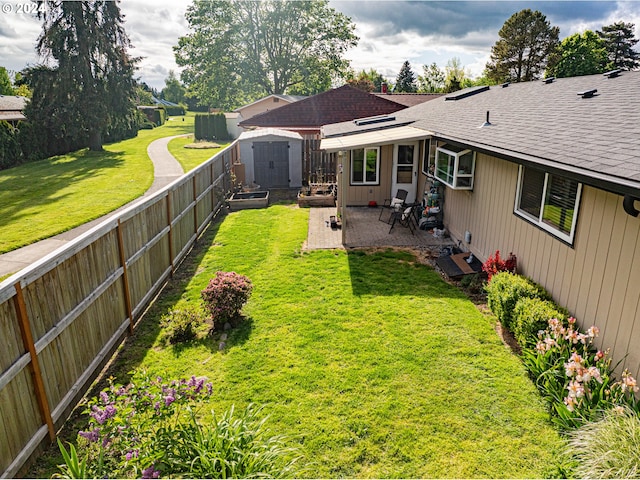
(390, 32)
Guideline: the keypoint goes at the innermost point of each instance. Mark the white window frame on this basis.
(427, 163)
(364, 167)
(568, 238)
(454, 183)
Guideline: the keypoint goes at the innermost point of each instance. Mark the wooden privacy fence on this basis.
(62, 318)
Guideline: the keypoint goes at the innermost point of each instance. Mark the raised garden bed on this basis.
(244, 200)
(318, 195)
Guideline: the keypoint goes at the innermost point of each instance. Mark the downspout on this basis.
(628, 205)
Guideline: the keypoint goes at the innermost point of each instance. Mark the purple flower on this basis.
(104, 397)
(92, 436)
(150, 472)
(169, 399)
(132, 454)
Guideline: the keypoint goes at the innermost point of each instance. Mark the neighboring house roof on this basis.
(166, 103)
(409, 99)
(336, 105)
(595, 139)
(286, 98)
(11, 107)
(265, 132)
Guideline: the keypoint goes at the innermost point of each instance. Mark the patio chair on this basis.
(404, 218)
(391, 205)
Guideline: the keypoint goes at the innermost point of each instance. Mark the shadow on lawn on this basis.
(236, 336)
(393, 272)
(135, 348)
(47, 177)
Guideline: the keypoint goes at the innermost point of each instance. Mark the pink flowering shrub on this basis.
(574, 377)
(225, 295)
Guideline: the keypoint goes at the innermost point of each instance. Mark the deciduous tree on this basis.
(619, 41)
(431, 80)
(526, 41)
(579, 54)
(173, 91)
(369, 81)
(456, 76)
(240, 50)
(406, 79)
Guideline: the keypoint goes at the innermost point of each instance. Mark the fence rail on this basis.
(62, 318)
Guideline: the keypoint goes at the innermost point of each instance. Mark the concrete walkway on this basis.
(165, 170)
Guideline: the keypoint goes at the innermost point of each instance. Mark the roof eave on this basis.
(603, 181)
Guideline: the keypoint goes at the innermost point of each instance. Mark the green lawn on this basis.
(369, 362)
(44, 198)
(190, 158)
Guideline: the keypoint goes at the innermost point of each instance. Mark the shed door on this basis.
(271, 164)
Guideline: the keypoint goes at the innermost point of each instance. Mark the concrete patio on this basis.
(363, 229)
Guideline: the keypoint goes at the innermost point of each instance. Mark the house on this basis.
(265, 104)
(548, 170)
(11, 108)
(307, 117)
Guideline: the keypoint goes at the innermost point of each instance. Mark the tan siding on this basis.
(597, 279)
(361, 195)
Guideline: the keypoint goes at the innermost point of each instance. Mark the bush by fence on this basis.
(211, 126)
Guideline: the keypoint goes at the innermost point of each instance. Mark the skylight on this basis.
(372, 120)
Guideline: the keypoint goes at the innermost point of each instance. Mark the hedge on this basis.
(212, 126)
(505, 289)
(532, 315)
(10, 153)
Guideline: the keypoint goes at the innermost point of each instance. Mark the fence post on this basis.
(125, 277)
(34, 366)
(170, 223)
(195, 206)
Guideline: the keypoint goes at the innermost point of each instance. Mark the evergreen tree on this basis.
(406, 79)
(6, 88)
(521, 54)
(90, 87)
(619, 42)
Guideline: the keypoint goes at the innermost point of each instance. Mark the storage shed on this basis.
(272, 158)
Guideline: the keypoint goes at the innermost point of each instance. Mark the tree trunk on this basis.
(95, 140)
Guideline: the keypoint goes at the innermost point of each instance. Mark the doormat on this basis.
(456, 266)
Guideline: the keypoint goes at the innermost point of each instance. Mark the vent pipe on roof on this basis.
(505, 85)
(628, 205)
(383, 88)
(487, 123)
(549, 80)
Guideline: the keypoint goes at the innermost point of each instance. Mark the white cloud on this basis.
(390, 31)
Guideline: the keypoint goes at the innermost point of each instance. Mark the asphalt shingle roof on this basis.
(337, 105)
(545, 123)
